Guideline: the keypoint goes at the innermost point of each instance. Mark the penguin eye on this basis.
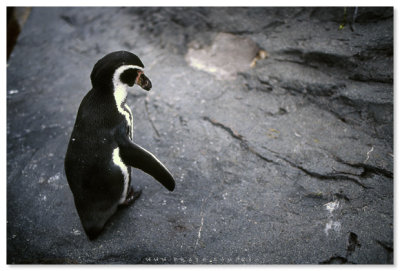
(129, 76)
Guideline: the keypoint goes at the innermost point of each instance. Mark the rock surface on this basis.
(288, 161)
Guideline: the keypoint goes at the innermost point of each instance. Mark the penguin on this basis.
(101, 150)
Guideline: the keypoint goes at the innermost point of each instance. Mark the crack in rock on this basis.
(333, 176)
(247, 146)
(367, 169)
(239, 137)
(146, 106)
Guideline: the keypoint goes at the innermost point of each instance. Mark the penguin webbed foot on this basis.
(131, 197)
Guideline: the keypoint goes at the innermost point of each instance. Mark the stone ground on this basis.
(277, 124)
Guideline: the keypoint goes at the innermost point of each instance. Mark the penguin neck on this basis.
(120, 94)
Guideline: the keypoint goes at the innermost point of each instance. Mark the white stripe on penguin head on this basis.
(119, 87)
(120, 94)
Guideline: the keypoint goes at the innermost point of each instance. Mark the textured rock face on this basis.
(287, 161)
(228, 55)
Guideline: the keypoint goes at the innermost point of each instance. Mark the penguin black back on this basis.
(101, 151)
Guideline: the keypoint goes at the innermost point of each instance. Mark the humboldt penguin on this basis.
(101, 152)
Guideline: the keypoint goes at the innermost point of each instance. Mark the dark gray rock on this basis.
(289, 161)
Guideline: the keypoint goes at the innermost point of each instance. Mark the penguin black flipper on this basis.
(136, 156)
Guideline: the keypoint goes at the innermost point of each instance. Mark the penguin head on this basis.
(119, 68)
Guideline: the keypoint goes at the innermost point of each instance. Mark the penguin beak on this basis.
(143, 82)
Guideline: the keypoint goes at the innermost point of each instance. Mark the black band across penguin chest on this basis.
(123, 109)
(129, 119)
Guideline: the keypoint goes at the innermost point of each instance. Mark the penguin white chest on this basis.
(120, 97)
(120, 94)
(124, 170)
